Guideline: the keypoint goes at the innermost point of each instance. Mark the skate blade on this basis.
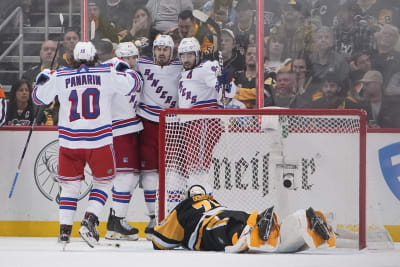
(84, 233)
(110, 235)
(63, 245)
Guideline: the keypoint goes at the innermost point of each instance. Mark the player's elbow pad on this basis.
(43, 76)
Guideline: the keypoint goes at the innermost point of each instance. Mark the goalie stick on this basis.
(38, 111)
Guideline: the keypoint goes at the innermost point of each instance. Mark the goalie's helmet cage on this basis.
(164, 40)
(126, 49)
(84, 51)
(189, 45)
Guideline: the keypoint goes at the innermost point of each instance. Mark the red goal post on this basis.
(252, 159)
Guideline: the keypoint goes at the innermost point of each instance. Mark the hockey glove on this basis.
(224, 80)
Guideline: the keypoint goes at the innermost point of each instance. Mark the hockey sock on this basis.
(98, 196)
(68, 201)
(150, 184)
(124, 184)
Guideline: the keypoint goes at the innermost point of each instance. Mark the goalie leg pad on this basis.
(254, 240)
(296, 232)
(319, 231)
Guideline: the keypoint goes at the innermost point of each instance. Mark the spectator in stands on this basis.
(222, 11)
(325, 11)
(104, 28)
(71, 38)
(386, 60)
(360, 64)
(274, 54)
(47, 54)
(372, 91)
(378, 12)
(326, 60)
(140, 26)
(3, 106)
(187, 27)
(140, 30)
(164, 13)
(301, 68)
(351, 36)
(283, 94)
(329, 96)
(244, 27)
(119, 12)
(20, 109)
(232, 59)
(245, 80)
(49, 116)
(304, 87)
(296, 29)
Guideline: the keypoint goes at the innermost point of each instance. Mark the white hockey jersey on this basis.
(85, 96)
(124, 119)
(199, 88)
(160, 89)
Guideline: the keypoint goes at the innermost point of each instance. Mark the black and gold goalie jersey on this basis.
(199, 223)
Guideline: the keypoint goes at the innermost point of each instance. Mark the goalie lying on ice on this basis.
(200, 223)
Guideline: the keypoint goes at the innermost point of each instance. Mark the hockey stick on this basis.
(38, 111)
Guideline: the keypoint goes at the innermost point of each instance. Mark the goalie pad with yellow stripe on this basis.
(293, 234)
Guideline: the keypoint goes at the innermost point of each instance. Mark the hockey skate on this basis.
(150, 227)
(65, 235)
(88, 230)
(119, 229)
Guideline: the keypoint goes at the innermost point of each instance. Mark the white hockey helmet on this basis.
(188, 45)
(84, 51)
(164, 40)
(126, 49)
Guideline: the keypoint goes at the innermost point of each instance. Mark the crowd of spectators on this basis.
(318, 53)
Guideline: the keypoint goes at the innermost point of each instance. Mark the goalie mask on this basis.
(84, 51)
(195, 190)
(166, 41)
(186, 47)
(126, 49)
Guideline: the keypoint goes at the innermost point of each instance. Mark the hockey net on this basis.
(292, 159)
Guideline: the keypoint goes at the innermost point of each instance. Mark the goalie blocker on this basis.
(201, 223)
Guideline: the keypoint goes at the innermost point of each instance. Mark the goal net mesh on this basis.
(250, 160)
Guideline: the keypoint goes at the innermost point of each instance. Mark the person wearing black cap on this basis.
(232, 59)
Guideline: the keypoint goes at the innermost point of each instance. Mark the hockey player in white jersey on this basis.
(85, 133)
(161, 75)
(126, 127)
(202, 85)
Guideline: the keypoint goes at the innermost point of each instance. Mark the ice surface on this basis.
(30, 251)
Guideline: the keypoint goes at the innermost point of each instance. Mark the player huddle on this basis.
(109, 114)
